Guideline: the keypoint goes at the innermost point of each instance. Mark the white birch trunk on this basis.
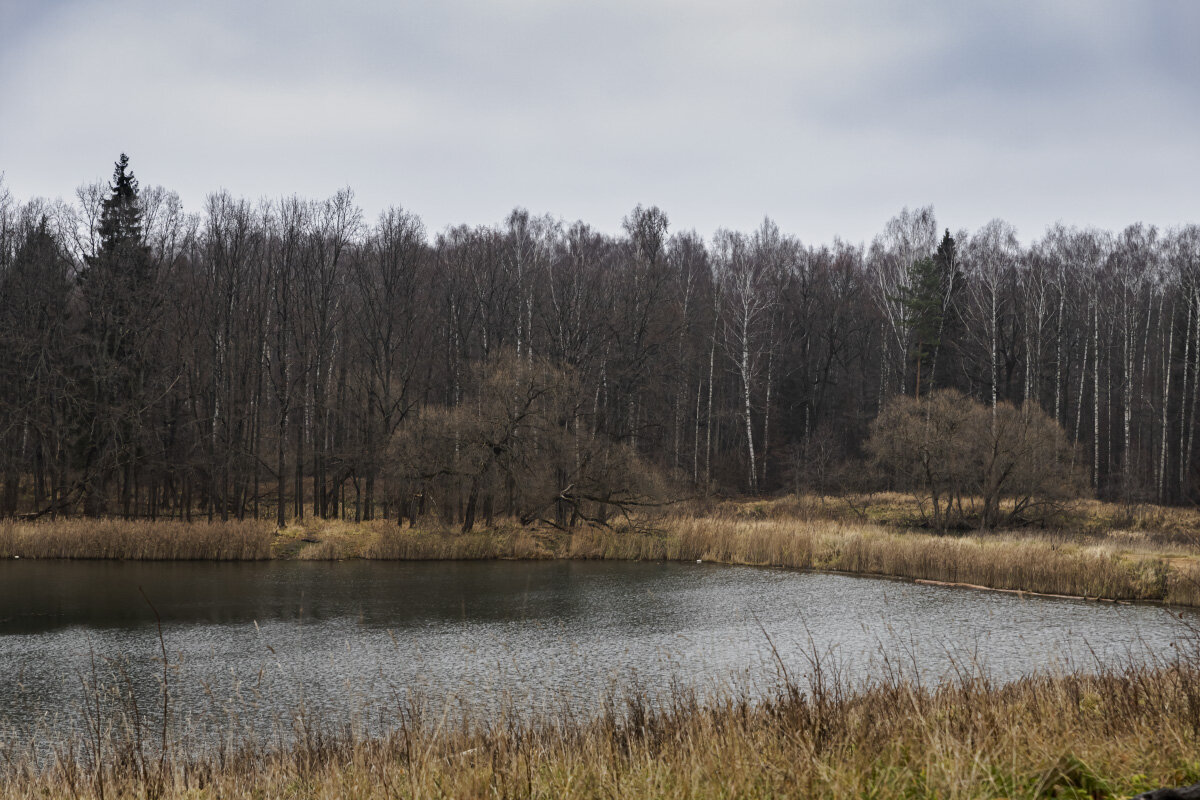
(746, 378)
(1185, 471)
(1184, 396)
(767, 416)
(1095, 395)
(995, 367)
(1166, 401)
(1079, 400)
(712, 355)
(1058, 358)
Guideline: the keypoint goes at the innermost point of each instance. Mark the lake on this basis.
(250, 643)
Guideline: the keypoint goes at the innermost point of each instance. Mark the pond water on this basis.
(254, 642)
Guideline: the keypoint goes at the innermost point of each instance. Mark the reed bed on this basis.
(165, 540)
(1151, 559)
(1106, 735)
(1056, 563)
(512, 542)
(996, 561)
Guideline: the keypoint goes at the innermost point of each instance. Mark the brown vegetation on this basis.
(1096, 736)
(969, 464)
(521, 446)
(1149, 554)
(165, 540)
(1031, 563)
(1100, 551)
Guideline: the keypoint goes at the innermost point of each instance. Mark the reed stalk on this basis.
(1106, 735)
(1146, 554)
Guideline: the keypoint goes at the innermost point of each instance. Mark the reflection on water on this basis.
(261, 639)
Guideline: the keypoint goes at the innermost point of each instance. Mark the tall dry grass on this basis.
(1151, 559)
(1104, 735)
(1146, 523)
(333, 540)
(136, 539)
(513, 542)
(997, 561)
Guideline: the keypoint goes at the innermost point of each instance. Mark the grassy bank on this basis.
(1075, 736)
(136, 539)
(1100, 550)
(1044, 563)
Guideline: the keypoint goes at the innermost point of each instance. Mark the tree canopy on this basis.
(266, 357)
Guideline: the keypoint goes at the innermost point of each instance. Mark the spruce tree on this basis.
(951, 284)
(117, 288)
(922, 304)
(928, 302)
(34, 293)
(120, 268)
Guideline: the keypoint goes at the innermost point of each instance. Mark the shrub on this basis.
(967, 462)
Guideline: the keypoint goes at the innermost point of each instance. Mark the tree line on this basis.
(290, 357)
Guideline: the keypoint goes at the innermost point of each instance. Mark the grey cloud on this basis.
(826, 115)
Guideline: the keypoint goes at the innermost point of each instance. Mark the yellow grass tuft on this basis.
(1110, 735)
(136, 539)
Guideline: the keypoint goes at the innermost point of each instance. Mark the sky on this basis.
(828, 116)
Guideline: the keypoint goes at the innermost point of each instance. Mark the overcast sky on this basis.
(827, 116)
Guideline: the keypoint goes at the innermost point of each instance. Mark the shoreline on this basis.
(1068, 735)
(1113, 565)
(569, 558)
(1078, 734)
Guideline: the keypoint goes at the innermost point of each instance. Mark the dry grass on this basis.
(1027, 563)
(1074, 736)
(774, 534)
(333, 540)
(1143, 553)
(510, 541)
(1165, 526)
(1097, 736)
(138, 540)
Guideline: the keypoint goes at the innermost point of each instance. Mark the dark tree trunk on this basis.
(469, 512)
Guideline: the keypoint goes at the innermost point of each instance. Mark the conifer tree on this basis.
(922, 305)
(120, 267)
(117, 289)
(951, 282)
(33, 316)
(928, 301)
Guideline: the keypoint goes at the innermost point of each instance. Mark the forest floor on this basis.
(1090, 549)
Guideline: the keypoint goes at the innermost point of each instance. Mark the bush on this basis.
(968, 463)
(522, 444)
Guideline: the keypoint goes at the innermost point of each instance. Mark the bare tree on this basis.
(749, 300)
(908, 237)
(267, 356)
(992, 257)
(391, 324)
(969, 463)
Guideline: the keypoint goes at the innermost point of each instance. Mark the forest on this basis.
(289, 357)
